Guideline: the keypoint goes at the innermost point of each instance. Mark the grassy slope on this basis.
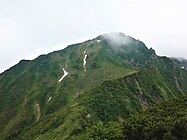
(114, 100)
(32, 82)
(121, 97)
(166, 120)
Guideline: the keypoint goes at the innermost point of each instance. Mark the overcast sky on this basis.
(29, 28)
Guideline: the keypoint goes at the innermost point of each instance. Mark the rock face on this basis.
(109, 77)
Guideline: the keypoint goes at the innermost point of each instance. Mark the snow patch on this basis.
(84, 60)
(98, 41)
(183, 67)
(49, 98)
(65, 74)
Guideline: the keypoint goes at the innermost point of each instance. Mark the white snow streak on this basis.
(84, 60)
(65, 74)
(49, 99)
(98, 41)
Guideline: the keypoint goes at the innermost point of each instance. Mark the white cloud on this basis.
(28, 28)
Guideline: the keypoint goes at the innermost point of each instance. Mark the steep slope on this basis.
(32, 83)
(107, 78)
(124, 96)
(180, 61)
(115, 100)
(164, 121)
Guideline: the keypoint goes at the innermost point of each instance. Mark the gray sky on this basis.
(29, 28)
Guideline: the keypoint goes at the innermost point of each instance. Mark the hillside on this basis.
(62, 94)
(180, 61)
(164, 121)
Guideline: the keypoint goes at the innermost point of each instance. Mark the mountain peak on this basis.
(116, 38)
(107, 78)
(118, 34)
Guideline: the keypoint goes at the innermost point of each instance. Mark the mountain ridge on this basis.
(121, 76)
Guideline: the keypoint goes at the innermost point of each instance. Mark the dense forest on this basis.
(165, 120)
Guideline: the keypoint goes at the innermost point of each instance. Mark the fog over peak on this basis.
(116, 38)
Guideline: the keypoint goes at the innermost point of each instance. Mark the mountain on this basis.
(63, 94)
(165, 120)
(180, 61)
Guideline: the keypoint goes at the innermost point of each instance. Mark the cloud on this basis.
(29, 26)
(117, 39)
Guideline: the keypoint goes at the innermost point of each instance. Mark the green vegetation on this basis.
(124, 96)
(95, 102)
(180, 61)
(166, 120)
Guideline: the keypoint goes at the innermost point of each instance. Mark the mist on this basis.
(117, 39)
